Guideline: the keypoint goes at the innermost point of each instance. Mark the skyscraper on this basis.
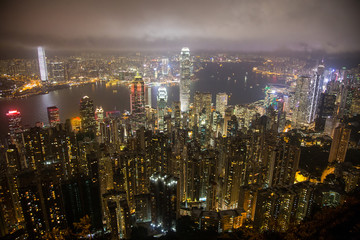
(14, 118)
(221, 103)
(165, 66)
(339, 144)
(185, 71)
(137, 99)
(42, 64)
(87, 114)
(161, 107)
(307, 97)
(57, 71)
(53, 116)
(202, 106)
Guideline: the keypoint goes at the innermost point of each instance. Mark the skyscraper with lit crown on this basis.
(14, 118)
(137, 99)
(185, 71)
(53, 116)
(161, 107)
(87, 114)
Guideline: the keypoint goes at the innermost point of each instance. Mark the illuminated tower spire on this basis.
(42, 64)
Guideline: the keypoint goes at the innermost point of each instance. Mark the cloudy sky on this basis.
(240, 25)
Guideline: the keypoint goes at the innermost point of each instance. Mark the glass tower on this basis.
(185, 67)
(42, 64)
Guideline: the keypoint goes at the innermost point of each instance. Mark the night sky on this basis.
(326, 25)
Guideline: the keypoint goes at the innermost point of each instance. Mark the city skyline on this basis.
(179, 119)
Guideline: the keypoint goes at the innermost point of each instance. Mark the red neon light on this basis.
(13, 112)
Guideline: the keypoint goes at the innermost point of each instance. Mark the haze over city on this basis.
(330, 26)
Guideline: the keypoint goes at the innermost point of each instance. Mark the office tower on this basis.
(227, 117)
(221, 103)
(164, 193)
(339, 144)
(302, 102)
(137, 99)
(56, 71)
(42, 64)
(161, 107)
(315, 95)
(326, 110)
(307, 97)
(165, 66)
(185, 72)
(148, 102)
(176, 113)
(99, 118)
(53, 116)
(202, 107)
(14, 118)
(87, 114)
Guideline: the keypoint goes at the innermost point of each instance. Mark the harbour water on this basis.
(236, 79)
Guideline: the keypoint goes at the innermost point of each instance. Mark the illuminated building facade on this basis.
(339, 144)
(75, 124)
(221, 103)
(53, 116)
(87, 114)
(137, 99)
(165, 66)
(56, 71)
(164, 192)
(14, 118)
(161, 107)
(185, 73)
(202, 107)
(42, 64)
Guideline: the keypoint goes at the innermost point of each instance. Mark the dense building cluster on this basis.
(225, 166)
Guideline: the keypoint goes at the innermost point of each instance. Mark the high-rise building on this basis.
(99, 117)
(164, 193)
(57, 71)
(185, 72)
(306, 98)
(117, 214)
(202, 106)
(137, 99)
(87, 114)
(339, 144)
(14, 118)
(176, 113)
(165, 66)
(53, 116)
(221, 103)
(161, 107)
(42, 64)
(302, 101)
(148, 102)
(285, 161)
